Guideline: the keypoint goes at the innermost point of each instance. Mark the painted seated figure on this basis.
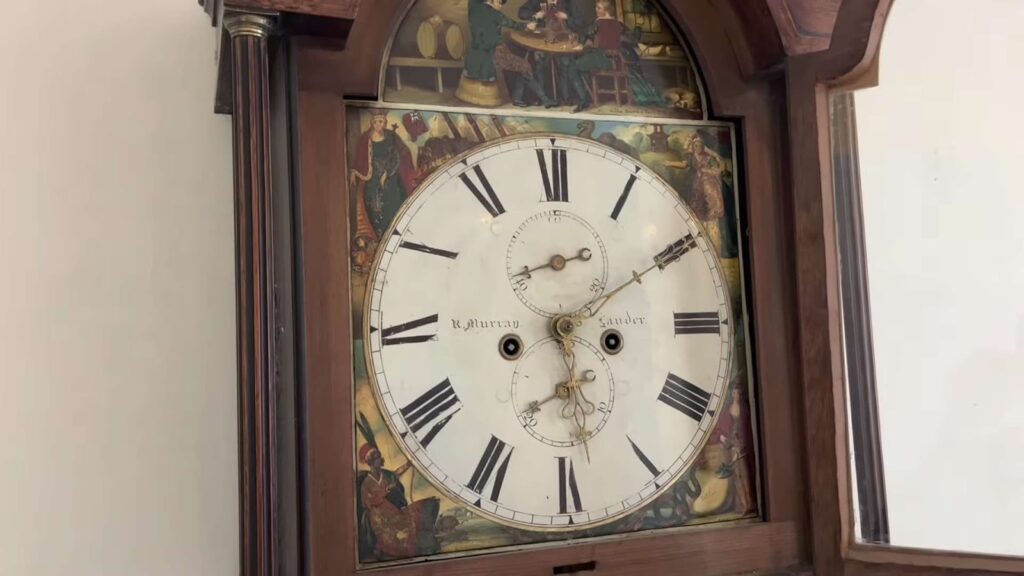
(392, 527)
(564, 18)
(485, 25)
(604, 42)
(489, 58)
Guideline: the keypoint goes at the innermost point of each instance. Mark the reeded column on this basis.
(249, 35)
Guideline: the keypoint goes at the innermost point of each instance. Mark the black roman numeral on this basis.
(567, 486)
(685, 397)
(388, 335)
(643, 458)
(556, 181)
(490, 202)
(623, 197)
(675, 251)
(697, 323)
(429, 408)
(429, 250)
(485, 467)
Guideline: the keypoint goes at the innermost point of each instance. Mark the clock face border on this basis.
(723, 383)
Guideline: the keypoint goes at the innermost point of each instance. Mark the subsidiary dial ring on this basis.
(545, 407)
(573, 261)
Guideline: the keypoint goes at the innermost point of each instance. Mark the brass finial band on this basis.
(242, 24)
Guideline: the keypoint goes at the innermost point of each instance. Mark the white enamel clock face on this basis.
(511, 370)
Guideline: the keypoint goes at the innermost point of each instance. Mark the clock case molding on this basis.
(285, 67)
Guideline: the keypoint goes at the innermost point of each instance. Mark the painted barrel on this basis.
(436, 38)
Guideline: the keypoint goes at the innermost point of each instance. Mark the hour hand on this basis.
(561, 392)
(556, 262)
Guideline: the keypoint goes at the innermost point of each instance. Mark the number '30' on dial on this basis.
(548, 331)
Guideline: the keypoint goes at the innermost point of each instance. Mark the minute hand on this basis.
(670, 254)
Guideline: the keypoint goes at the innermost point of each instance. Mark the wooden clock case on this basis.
(286, 67)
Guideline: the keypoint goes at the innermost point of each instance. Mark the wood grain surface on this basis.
(707, 552)
(323, 240)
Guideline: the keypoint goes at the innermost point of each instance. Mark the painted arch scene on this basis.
(615, 57)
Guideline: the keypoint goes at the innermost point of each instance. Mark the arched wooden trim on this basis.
(805, 25)
(855, 42)
(753, 34)
(354, 71)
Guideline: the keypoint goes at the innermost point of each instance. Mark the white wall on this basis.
(117, 346)
(942, 161)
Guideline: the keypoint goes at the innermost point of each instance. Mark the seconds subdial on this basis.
(553, 257)
(555, 411)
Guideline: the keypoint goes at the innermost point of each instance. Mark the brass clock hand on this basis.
(579, 409)
(583, 434)
(562, 392)
(670, 254)
(557, 262)
(576, 398)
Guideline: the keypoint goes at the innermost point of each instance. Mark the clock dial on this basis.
(549, 332)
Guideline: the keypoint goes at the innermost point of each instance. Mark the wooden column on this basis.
(249, 34)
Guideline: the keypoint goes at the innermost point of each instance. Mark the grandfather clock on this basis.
(540, 286)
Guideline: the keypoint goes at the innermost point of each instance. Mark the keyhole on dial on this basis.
(611, 341)
(510, 346)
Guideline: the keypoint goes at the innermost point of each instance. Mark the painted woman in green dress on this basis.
(382, 176)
